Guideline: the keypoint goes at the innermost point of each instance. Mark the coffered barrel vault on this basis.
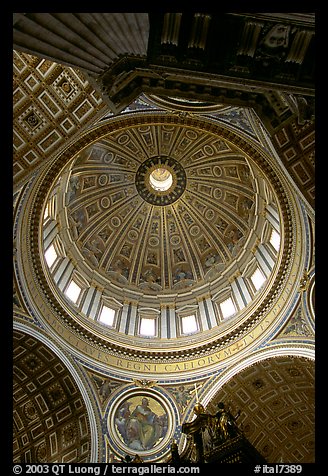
(51, 417)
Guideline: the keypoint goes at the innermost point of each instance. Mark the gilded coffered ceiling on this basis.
(277, 400)
(51, 103)
(50, 419)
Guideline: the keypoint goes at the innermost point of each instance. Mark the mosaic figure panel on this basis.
(141, 422)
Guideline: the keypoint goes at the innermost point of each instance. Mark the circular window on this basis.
(161, 179)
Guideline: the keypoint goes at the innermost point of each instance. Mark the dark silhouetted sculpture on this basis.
(216, 439)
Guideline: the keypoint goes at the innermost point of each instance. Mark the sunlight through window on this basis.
(46, 212)
(147, 327)
(258, 279)
(275, 240)
(73, 291)
(50, 255)
(161, 179)
(189, 324)
(227, 308)
(107, 316)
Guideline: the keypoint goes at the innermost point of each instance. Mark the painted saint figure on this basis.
(147, 422)
(141, 428)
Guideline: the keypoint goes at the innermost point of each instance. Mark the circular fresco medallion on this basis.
(141, 422)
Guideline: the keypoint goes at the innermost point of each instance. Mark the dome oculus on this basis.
(160, 180)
